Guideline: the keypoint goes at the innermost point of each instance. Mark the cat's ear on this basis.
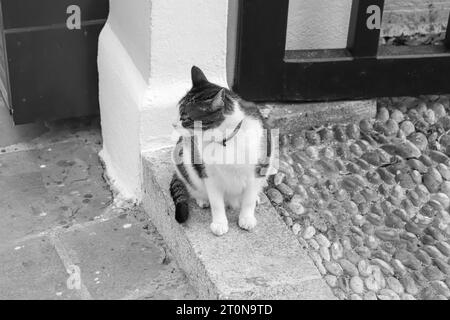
(219, 100)
(198, 77)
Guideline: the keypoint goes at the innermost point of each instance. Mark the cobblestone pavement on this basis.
(370, 201)
(63, 234)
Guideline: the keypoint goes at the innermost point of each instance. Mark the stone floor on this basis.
(63, 233)
(370, 202)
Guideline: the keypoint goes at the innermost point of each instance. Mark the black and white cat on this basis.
(223, 156)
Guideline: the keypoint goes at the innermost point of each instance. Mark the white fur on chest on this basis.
(232, 166)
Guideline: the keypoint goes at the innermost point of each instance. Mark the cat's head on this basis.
(206, 103)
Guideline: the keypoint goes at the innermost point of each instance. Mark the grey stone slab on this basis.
(33, 270)
(291, 118)
(119, 259)
(22, 201)
(19, 162)
(267, 263)
(54, 186)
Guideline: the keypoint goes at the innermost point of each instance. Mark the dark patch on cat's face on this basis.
(206, 102)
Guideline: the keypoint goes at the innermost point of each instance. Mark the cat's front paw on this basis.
(219, 228)
(247, 222)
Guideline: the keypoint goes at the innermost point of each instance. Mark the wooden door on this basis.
(50, 70)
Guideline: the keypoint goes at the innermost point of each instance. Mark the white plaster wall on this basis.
(146, 52)
(122, 88)
(130, 21)
(183, 34)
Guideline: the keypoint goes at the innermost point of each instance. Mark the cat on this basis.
(214, 167)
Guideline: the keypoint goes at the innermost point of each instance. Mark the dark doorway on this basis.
(49, 71)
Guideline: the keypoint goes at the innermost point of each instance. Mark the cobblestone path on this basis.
(370, 201)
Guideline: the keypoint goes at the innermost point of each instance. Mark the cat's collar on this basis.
(233, 134)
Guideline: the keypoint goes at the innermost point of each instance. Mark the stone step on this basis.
(267, 263)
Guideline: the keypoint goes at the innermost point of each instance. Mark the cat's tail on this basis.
(180, 196)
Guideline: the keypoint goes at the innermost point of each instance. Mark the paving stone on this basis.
(353, 257)
(378, 276)
(353, 131)
(383, 114)
(436, 234)
(322, 240)
(337, 251)
(428, 294)
(406, 296)
(344, 284)
(395, 285)
(408, 259)
(279, 178)
(296, 228)
(387, 294)
(419, 140)
(33, 270)
(348, 267)
(309, 233)
(23, 206)
(384, 266)
(325, 253)
(333, 268)
(312, 137)
(58, 183)
(285, 190)
(442, 265)
(387, 234)
(433, 273)
(371, 284)
(50, 187)
(441, 288)
(118, 258)
(409, 285)
(275, 196)
(370, 296)
(296, 205)
(340, 294)
(432, 180)
(444, 248)
(364, 268)
(399, 268)
(354, 296)
(407, 127)
(357, 284)
(439, 157)
(405, 150)
(326, 135)
(423, 257)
